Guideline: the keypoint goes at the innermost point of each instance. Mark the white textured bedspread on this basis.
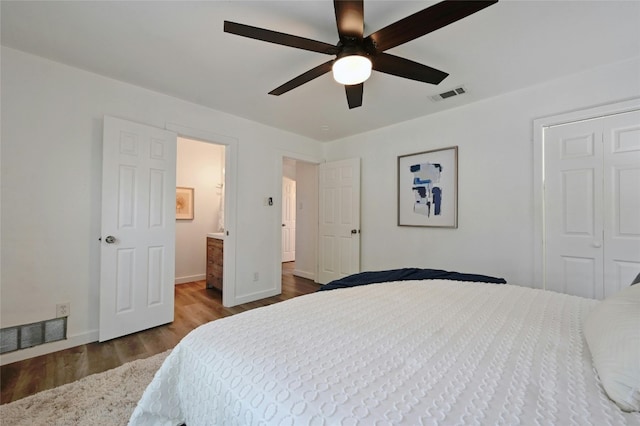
(411, 353)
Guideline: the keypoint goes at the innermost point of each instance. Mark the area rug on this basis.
(102, 399)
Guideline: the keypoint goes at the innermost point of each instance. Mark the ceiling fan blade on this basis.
(405, 68)
(349, 18)
(425, 21)
(354, 95)
(279, 38)
(303, 78)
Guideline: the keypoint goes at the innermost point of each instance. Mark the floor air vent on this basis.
(28, 335)
(449, 94)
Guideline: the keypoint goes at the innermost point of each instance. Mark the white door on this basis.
(573, 216)
(339, 220)
(592, 205)
(621, 138)
(137, 260)
(288, 219)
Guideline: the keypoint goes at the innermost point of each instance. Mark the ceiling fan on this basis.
(357, 55)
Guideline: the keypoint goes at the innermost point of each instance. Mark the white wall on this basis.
(199, 166)
(51, 188)
(495, 235)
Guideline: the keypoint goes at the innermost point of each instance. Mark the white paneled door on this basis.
(288, 219)
(339, 217)
(592, 205)
(137, 260)
(621, 137)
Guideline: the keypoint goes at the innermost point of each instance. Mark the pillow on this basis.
(612, 331)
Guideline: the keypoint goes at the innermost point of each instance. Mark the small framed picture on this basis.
(428, 188)
(184, 203)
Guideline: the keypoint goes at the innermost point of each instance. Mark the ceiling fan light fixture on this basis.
(352, 69)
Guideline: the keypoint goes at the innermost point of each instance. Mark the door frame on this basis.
(230, 201)
(277, 261)
(539, 126)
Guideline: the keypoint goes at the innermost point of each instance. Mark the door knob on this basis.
(110, 239)
(597, 244)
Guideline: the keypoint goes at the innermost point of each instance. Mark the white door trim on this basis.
(230, 202)
(539, 126)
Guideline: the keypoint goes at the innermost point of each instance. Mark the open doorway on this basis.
(299, 216)
(230, 145)
(200, 170)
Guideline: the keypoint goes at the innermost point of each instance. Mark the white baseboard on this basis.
(190, 278)
(304, 274)
(239, 300)
(47, 348)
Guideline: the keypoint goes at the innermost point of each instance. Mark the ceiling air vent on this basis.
(449, 94)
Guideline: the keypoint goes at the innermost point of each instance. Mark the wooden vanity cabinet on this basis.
(215, 255)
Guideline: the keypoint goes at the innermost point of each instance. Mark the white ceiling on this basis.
(179, 48)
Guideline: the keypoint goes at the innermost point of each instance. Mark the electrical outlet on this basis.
(256, 276)
(63, 309)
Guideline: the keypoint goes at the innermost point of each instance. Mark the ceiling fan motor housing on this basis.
(352, 46)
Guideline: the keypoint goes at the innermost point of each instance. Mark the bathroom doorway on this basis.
(201, 168)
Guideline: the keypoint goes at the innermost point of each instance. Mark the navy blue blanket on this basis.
(405, 274)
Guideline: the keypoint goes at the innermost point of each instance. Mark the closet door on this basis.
(573, 209)
(592, 205)
(621, 138)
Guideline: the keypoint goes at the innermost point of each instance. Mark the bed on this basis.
(414, 352)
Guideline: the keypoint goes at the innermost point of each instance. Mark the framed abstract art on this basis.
(428, 188)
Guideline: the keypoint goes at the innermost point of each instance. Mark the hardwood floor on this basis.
(194, 305)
